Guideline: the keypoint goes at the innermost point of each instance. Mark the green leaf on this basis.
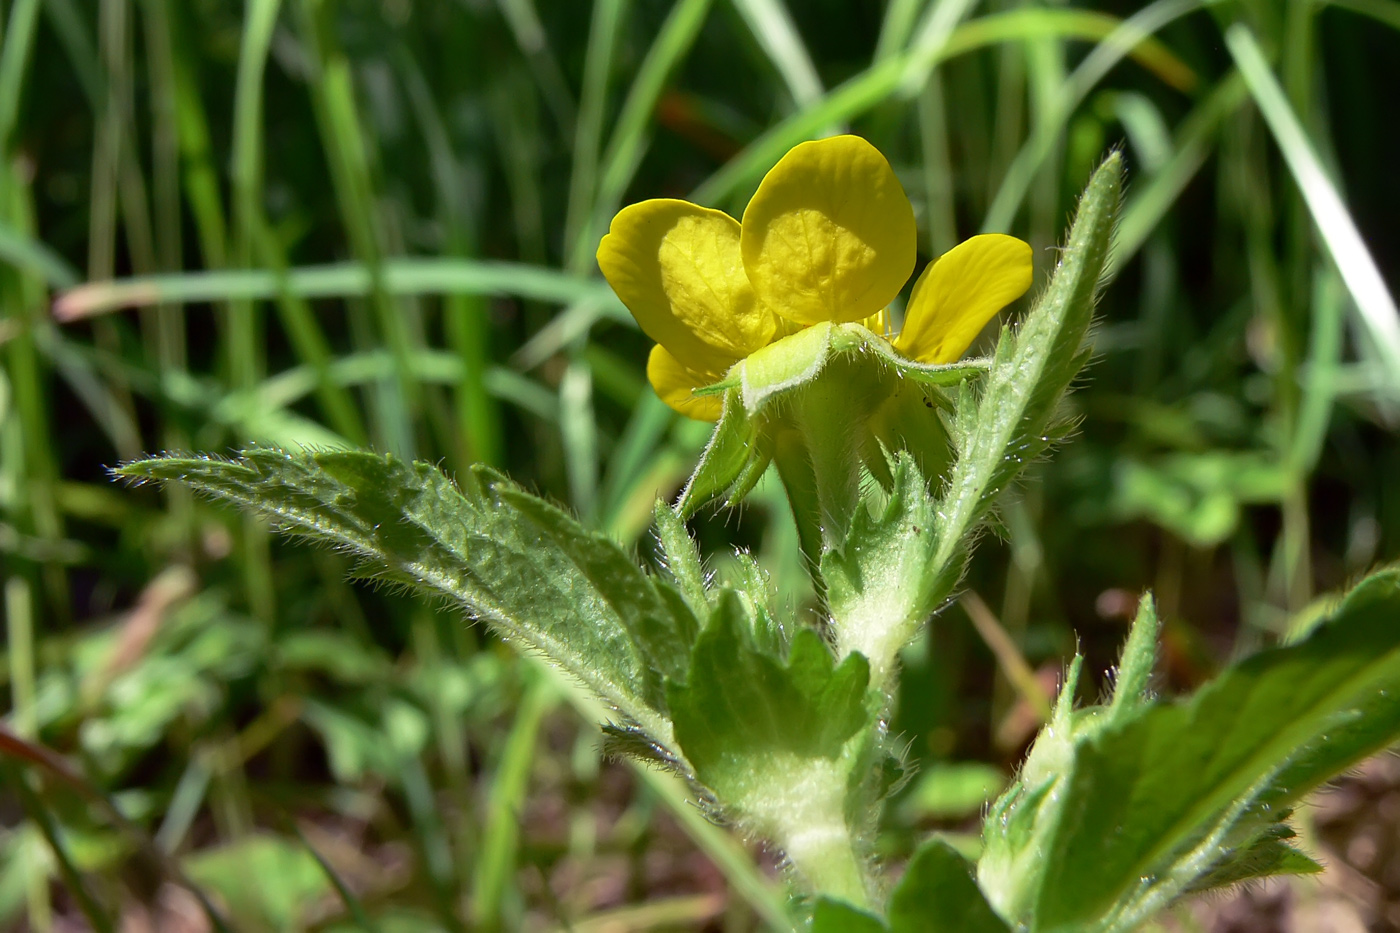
(938, 895)
(1269, 854)
(1151, 802)
(778, 741)
(740, 709)
(290, 883)
(1130, 687)
(1017, 417)
(655, 614)
(1197, 496)
(755, 589)
(839, 917)
(682, 557)
(508, 558)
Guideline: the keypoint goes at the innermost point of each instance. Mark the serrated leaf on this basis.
(1268, 855)
(939, 895)
(1030, 371)
(756, 590)
(1150, 800)
(508, 558)
(741, 713)
(632, 742)
(655, 614)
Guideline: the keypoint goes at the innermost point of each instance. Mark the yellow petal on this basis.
(677, 268)
(829, 235)
(879, 323)
(675, 383)
(960, 292)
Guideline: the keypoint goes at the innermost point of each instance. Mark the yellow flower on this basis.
(828, 236)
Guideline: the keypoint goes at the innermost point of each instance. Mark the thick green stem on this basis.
(826, 858)
(800, 805)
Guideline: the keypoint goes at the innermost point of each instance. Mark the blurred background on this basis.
(372, 222)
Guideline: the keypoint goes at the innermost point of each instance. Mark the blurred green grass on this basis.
(321, 222)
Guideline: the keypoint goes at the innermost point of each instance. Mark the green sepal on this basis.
(783, 366)
(902, 423)
(732, 462)
(797, 359)
(837, 394)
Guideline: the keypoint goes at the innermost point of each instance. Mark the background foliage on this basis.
(373, 223)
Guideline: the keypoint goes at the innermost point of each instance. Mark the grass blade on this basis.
(1152, 199)
(495, 863)
(18, 45)
(1129, 34)
(773, 29)
(34, 256)
(1363, 280)
(1383, 11)
(628, 140)
(36, 810)
(597, 65)
(890, 75)
(402, 276)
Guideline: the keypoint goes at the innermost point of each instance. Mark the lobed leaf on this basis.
(839, 917)
(936, 895)
(741, 707)
(1145, 804)
(1267, 855)
(939, 895)
(881, 582)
